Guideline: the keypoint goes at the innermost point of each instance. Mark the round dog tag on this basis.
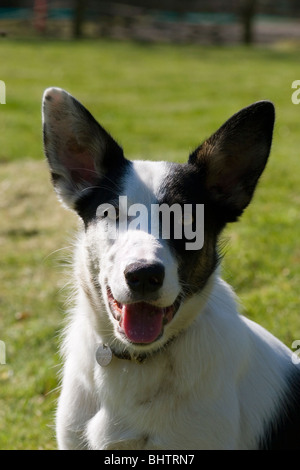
(103, 355)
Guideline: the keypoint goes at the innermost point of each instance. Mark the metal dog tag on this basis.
(103, 355)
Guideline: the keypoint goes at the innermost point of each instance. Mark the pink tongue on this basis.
(142, 322)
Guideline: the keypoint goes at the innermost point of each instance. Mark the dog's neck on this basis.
(125, 355)
(140, 358)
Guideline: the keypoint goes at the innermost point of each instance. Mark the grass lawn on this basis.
(159, 102)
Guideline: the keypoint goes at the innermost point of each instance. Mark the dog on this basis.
(156, 354)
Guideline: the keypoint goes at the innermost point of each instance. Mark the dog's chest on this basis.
(144, 407)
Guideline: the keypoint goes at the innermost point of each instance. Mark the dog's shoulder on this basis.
(267, 379)
(283, 430)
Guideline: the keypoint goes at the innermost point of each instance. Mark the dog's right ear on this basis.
(234, 157)
(79, 151)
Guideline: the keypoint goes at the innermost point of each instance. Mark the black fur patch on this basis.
(185, 185)
(283, 433)
(108, 189)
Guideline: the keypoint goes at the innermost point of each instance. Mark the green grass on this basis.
(159, 102)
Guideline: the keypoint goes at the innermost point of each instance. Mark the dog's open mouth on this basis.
(141, 322)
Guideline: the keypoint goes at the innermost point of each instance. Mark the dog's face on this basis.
(140, 263)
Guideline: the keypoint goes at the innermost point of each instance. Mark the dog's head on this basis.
(149, 244)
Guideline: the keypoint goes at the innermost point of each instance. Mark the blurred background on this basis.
(160, 76)
(197, 21)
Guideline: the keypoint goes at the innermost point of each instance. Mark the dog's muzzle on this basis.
(141, 322)
(144, 278)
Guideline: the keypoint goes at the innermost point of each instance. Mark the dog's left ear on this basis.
(234, 157)
(79, 151)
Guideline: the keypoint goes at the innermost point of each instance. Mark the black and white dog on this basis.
(156, 353)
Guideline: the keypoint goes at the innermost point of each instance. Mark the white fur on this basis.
(200, 393)
(213, 387)
(213, 379)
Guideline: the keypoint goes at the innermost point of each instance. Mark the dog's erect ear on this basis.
(78, 149)
(234, 157)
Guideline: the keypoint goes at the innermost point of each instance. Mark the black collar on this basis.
(128, 357)
(141, 358)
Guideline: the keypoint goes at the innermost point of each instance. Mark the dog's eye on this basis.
(112, 214)
(117, 213)
(108, 211)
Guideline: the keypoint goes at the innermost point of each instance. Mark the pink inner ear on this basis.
(80, 163)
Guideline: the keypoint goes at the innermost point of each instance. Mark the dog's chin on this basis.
(141, 325)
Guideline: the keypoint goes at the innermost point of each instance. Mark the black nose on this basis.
(143, 277)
